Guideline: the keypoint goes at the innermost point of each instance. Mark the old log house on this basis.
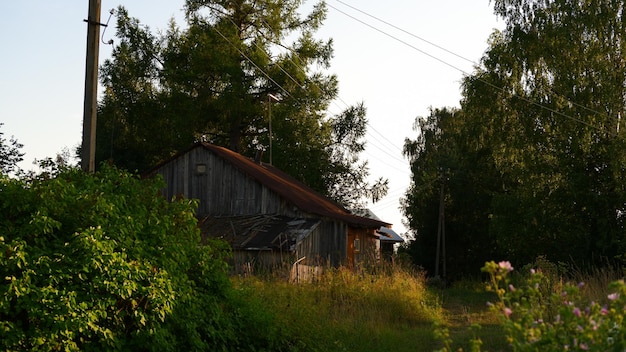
(266, 215)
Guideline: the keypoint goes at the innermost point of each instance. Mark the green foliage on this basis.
(445, 158)
(103, 262)
(555, 128)
(534, 319)
(536, 153)
(10, 154)
(347, 175)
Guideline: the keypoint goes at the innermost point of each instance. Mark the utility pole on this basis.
(441, 232)
(88, 149)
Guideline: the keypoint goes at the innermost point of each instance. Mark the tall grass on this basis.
(395, 310)
(594, 281)
(344, 310)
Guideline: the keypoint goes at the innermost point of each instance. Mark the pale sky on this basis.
(42, 69)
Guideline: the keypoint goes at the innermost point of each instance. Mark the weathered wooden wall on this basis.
(224, 190)
(367, 248)
(325, 245)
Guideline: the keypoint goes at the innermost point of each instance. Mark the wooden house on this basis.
(266, 215)
(387, 237)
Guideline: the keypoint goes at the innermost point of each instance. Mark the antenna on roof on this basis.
(269, 109)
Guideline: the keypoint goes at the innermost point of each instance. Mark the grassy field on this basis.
(397, 311)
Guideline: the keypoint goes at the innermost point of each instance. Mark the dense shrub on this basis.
(535, 320)
(103, 262)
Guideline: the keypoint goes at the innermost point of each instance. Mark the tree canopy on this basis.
(538, 133)
(217, 80)
(10, 154)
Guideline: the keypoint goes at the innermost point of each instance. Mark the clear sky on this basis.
(395, 74)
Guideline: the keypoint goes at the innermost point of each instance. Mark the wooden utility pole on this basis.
(88, 150)
(441, 233)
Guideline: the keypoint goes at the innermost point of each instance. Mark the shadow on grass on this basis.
(465, 304)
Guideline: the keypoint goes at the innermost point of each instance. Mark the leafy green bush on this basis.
(103, 262)
(535, 321)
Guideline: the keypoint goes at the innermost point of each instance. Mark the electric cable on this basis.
(493, 86)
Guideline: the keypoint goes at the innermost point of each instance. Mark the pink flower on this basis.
(506, 265)
(613, 296)
(577, 312)
(507, 312)
(511, 288)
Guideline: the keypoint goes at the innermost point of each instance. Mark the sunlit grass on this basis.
(344, 310)
(395, 309)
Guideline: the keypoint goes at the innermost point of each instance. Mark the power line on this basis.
(268, 56)
(491, 85)
(338, 97)
(455, 54)
(398, 39)
(393, 156)
(288, 94)
(386, 139)
(252, 62)
(406, 32)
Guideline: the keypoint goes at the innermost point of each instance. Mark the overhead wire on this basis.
(288, 94)
(491, 85)
(298, 66)
(407, 32)
(338, 97)
(391, 155)
(450, 51)
(252, 62)
(268, 56)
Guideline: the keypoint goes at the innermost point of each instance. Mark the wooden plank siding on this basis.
(361, 246)
(230, 185)
(221, 190)
(224, 190)
(325, 245)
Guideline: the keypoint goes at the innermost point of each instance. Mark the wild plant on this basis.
(559, 321)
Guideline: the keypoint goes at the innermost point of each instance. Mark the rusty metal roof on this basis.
(289, 188)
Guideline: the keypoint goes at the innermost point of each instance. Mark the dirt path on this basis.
(465, 307)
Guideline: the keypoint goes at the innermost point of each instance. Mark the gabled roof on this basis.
(389, 235)
(292, 190)
(386, 233)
